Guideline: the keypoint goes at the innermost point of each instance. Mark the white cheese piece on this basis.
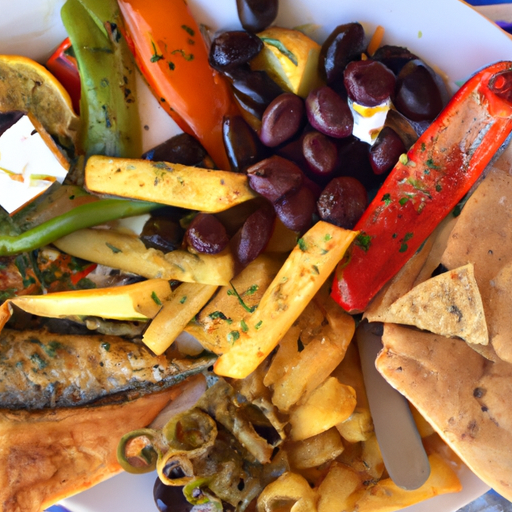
(25, 157)
(368, 121)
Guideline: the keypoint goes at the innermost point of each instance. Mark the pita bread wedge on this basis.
(418, 269)
(466, 398)
(48, 455)
(482, 236)
(448, 304)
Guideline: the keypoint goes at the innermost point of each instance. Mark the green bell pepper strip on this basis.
(84, 216)
(109, 111)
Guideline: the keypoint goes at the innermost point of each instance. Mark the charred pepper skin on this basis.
(426, 184)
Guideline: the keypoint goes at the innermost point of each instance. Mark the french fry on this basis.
(128, 253)
(372, 458)
(329, 404)
(223, 313)
(175, 314)
(337, 490)
(284, 357)
(313, 365)
(358, 427)
(289, 487)
(178, 185)
(315, 450)
(386, 496)
(307, 267)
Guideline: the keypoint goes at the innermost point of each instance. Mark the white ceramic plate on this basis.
(446, 33)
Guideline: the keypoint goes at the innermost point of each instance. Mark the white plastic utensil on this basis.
(399, 440)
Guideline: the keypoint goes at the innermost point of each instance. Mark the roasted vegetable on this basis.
(171, 54)
(194, 188)
(90, 214)
(303, 273)
(108, 102)
(426, 184)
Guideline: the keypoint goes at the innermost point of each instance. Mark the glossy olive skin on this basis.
(329, 113)
(206, 234)
(342, 202)
(275, 177)
(344, 44)
(162, 233)
(369, 82)
(180, 149)
(386, 151)
(393, 57)
(232, 49)
(252, 238)
(254, 89)
(417, 95)
(242, 144)
(257, 15)
(282, 119)
(296, 210)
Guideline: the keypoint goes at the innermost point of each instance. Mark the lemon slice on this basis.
(290, 58)
(28, 87)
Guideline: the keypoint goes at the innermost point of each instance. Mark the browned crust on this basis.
(46, 456)
(465, 397)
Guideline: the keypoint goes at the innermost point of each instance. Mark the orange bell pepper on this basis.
(172, 56)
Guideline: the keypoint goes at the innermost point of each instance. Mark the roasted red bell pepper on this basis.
(62, 64)
(426, 184)
(172, 56)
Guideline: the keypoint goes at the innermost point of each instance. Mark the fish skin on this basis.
(40, 370)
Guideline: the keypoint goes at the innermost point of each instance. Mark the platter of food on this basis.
(455, 45)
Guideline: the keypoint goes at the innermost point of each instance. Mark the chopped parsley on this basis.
(155, 298)
(386, 198)
(113, 248)
(244, 325)
(240, 300)
(233, 336)
(183, 299)
(281, 47)
(156, 56)
(302, 244)
(363, 241)
(258, 325)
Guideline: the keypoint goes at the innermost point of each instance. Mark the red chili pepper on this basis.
(172, 56)
(64, 67)
(426, 186)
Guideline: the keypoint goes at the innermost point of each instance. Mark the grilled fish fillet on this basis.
(40, 370)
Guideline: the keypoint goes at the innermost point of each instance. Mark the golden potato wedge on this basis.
(175, 314)
(205, 190)
(223, 314)
(337, 489)
(306, 269)
(358, 427)
(329, 404)
(315, 450)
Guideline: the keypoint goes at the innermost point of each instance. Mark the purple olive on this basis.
(342, 202)
(274, 178)
(329, 113)
(206, 234)
(282, 119)
(369, 82)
